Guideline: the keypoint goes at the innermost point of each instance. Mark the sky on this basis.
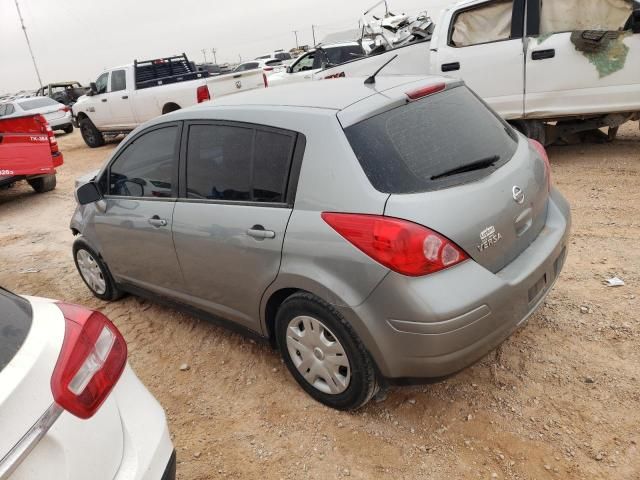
(77, 39)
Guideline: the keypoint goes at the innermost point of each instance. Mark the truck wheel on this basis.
(43, 184)
(68, 129)
(533, 129)
(90, 134)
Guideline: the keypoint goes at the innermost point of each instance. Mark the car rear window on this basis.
(403, 149)
(339, 55)
(37, 103)
(15, 322)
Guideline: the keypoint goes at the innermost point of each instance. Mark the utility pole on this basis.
(215, 60)
(295, 32)
(24, 29)
(313, 32)
(204, 53)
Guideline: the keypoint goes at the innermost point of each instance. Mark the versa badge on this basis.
(489, 238)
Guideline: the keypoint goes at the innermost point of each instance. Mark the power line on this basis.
(24, 29)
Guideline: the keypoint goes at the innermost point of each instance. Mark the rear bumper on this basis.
(170, 471)
(148, 451)
(436, 325)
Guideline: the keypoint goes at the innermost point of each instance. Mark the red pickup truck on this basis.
(28, 151)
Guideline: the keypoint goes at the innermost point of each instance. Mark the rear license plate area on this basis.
(537, 288)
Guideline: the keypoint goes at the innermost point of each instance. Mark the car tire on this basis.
(339, 386)
(94, 272)
(43, 184)
(90, 134)
(68, 129)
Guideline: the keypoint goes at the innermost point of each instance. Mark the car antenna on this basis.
(372, 78)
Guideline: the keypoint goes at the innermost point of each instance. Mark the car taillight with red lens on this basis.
(92, 359)
(402, 246)
(543, 153)
(264, 79)
(46, 129)
(65, 109)
(202, 94)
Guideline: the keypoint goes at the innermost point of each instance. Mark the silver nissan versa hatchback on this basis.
(373, 232)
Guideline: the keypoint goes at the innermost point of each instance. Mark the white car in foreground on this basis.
(57, 114)
(70, 406)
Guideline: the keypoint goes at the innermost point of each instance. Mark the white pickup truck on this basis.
(124, 97)
(554, 68)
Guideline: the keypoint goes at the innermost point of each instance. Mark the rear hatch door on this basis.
(452, 165)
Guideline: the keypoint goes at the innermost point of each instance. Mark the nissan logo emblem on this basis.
(518, 195)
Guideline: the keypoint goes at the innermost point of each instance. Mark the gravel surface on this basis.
(559, 400)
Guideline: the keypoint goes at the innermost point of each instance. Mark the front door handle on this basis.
(450, 67)
(103, 100)
(124, 97)
(156, 221)
(543, 54)
(259, 233)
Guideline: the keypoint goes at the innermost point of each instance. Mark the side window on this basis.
(220, 165)
(101, 83)
(305, 63)
(219, 162)
(145, 168)
(118, 80)
(489, 22)
(10, 109)
(3, 110)
(571, 15)
(271, 163)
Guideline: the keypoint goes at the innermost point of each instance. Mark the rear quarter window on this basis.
(15, 323)
(403, 149)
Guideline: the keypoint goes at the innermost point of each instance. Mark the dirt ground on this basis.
(559, 400)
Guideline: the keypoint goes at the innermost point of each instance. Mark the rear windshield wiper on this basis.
(469, 167)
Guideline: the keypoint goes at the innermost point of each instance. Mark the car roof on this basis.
(334, 94)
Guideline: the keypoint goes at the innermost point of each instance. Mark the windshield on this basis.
(35, 103)
(15, 322)
(408, 148)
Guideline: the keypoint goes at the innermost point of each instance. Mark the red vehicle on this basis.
(28, 151)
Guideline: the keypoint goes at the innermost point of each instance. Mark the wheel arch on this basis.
(170, 107)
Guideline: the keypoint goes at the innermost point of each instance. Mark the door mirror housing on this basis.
(289, 69)
(93, 89)
(635, 21)
(88, 193)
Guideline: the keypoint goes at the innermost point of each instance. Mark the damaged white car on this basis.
(554, 68)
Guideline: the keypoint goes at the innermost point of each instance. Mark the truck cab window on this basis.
(305, 63)
(577, 15)
(489, 22)
(101, 83)
(118, 80)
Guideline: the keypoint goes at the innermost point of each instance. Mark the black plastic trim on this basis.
(170, 470)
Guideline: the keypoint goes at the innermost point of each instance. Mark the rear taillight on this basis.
(264, 79)
(46, 129)
(65, 109)
(92, 359)
(543, 153)
(404, 247)
(202, 94)
(425, 91)
(268, 69)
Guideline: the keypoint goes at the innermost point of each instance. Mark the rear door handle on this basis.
(124, 97)
(259, 233)
(450, 67)
(156, 221)
(543, 54)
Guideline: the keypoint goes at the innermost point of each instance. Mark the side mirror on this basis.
(635, 21)
(93, 88)
(88, 193)
(289, 70)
